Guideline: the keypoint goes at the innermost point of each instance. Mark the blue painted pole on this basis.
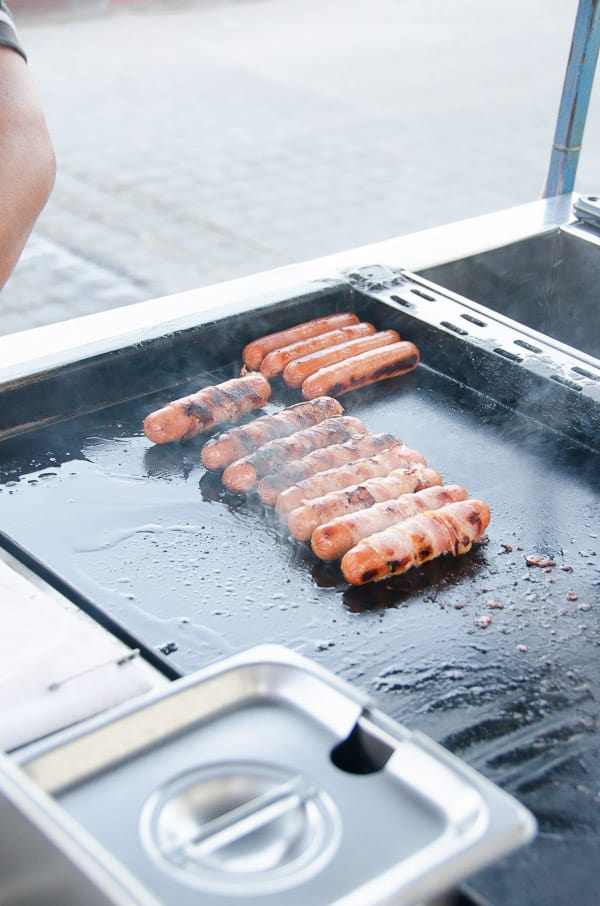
(575, 100)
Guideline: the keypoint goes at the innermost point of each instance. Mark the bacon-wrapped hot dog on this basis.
(215, 405)
(331, 540)
(221, 450)
(449, 530)
(303, 520)
(243, 474)
(296, 372)
(343, 476)
(358, 371)
(254, 352)
(357, 447)
(274, 362)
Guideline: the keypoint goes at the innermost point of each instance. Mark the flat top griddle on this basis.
(154, 542)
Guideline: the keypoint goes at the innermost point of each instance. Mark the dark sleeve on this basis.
(8, 32)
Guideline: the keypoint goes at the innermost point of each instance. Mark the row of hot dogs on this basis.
(330, 356)
(326, 356)
(365, 498)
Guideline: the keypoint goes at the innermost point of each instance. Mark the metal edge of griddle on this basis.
(43, 349)
(552, 383)
(39, 362)
(100, 616)
(133, 371)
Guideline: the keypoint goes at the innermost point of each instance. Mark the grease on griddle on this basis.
(168, 460)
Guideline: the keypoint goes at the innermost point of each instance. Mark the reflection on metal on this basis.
(587, 209)
(223, 789)
(575, 99)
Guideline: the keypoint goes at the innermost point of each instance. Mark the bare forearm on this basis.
(27, 163)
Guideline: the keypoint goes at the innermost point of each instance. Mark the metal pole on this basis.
(575, 99)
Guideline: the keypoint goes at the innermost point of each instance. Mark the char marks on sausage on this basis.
(303, 520)
(198, 412)
(224, 448)
(324, 459)
(331, 540)
(296, 372)
(254, 352)
(242, 474)
(452, 529)
(362, 370)
(276, 360)
(354, 472)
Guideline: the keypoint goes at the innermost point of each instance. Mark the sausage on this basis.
(243, 474)
(331, 540)
(274, 362)
(227, 402)
(221, 450)
(296, 372)
(358, 371)
(449, 530)
(331, 457)
(303, 520)
(343, 476)
(254, 352)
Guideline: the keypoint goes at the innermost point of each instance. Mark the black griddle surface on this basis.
(157, 545)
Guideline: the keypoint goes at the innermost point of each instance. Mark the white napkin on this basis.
(57, 666)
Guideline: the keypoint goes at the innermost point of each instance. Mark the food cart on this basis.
(148, 593)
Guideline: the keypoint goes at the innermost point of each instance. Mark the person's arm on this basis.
(27, 162)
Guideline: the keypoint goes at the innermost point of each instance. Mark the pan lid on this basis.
(241, 828)
(266, 774)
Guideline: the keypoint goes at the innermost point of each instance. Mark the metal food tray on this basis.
(265, 775)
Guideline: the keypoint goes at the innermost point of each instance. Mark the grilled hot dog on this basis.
(227, 402)
(449, 530)
(331, 457)
(221, 450)
(274, 362)
(343, 476)
(244, 473)
(303, 520)
(358, 371)
(296, 372)
(254, 352)
(331, 540)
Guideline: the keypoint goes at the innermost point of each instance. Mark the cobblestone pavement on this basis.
(203, 141)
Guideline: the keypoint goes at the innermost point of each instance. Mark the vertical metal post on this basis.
(575, 99)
